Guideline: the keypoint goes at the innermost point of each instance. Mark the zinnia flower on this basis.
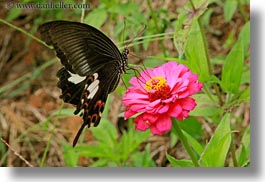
(159, 94)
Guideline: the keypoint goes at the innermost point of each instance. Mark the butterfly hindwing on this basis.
(71, 90)
(95, 95)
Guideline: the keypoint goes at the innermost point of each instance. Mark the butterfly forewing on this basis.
(82, 47)
(92, 67)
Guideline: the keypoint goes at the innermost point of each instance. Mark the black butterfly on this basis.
(92, 67)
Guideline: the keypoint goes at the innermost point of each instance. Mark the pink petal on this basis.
(183, 115)
(150, 117)
(154, 130)
(180, 86)
(187, 103)
(140, 123)
(129, 113)
(163, 109)
(138, 83)
(151, 106)
(164, 123)
(147, 75)
(138, 107)
(175, 110)
(158, 71)
(171, 69)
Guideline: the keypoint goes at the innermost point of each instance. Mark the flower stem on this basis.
(185, 143)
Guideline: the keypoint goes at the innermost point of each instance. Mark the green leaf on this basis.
(97, 17)
(215, 152)
(196, 53)
(13, 14)
(247, 2)
(232, 70)
(107, 147)
(179, 163)
(124, 9)
(245, 79)
(205, 111)
(100, 163)
(206, 17)
(230, 39)
(187, 16)
(192, 126)
(101, 151)
(189, 135)
(243, 153)
(63, 112)
(194, 143)
(130, 141)
(245, 95)
(244, 35)
(70, 156)
(205, 106)
(105, 133)
(230, 7)
(142, 159)
(173, 138)
(201, 5)
(151, 63)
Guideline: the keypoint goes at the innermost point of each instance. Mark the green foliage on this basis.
(142, 159)
(215, 152)
(97, 17)
(243, 153)
(206, 106)
(111, 151)
(179, 163)
(186, 19)
(229, 9)
(196, 52)
(233, 67)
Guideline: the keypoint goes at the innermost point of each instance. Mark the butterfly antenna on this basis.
(137, 75)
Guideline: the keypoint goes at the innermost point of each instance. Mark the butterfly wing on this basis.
(92, 67)
(82, 48)
(93, 92)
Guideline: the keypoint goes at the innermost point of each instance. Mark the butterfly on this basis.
(92, 66)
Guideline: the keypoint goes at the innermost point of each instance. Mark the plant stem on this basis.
(83, 13)
(233, 153)
(209, 62)
(185, 143)
(206, 90)
(153, 14)
(24, 32)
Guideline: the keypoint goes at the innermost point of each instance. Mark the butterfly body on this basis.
(92, 67)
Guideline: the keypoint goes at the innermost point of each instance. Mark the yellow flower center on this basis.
(157, 88)
(155, 83)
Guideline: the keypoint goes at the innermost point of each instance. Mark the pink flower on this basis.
(160, 94)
